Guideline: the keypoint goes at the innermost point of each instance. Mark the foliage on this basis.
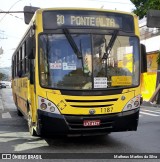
(3, 76)
(142, 6)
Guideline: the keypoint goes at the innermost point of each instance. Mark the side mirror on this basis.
(143, 59)
(30, 47)
(28, 13)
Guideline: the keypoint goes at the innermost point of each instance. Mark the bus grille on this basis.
(91, 103)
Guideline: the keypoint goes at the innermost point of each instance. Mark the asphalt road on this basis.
(15, 138)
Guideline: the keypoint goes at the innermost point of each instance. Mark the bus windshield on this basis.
(61, 68)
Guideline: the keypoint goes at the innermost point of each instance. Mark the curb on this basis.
(148, 104)
(1, 104)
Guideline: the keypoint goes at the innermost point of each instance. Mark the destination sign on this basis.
(87, 19)
(90, 21)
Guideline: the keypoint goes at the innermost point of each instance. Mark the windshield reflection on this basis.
(61, 68)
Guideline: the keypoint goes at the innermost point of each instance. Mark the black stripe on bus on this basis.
(91, 92)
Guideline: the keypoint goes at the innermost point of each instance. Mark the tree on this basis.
(142, 6)
(2, 76)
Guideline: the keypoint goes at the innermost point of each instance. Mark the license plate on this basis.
(90, 123)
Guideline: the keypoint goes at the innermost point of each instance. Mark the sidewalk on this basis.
(148, 104)
(1, 104)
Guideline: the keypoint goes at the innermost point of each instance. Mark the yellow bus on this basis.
(66, 72)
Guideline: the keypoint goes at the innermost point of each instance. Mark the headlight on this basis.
(133, 103)
(129, 106)
(52, 109)
(43, 106)
(136, 103)
(48, 106)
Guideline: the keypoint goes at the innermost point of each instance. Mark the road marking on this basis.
(151, 111)
(6, 115)
(146, 107)
(148, 114)
(1, 105)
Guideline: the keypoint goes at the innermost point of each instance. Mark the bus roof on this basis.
(29, 11)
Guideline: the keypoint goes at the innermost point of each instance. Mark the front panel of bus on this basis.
(88, 72)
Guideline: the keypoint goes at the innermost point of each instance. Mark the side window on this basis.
(17, 67)
(43, 68)
(23, 58)
(43, 61)
(13, 67)
(20, 62)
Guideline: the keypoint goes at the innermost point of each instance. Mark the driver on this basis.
(55, 56)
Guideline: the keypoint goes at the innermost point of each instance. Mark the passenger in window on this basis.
(87, 62)
(55, 56)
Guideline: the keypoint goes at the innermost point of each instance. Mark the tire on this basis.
(19, 112)
(39, 129)
(31, 126)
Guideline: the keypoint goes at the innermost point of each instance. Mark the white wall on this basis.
(152, 44)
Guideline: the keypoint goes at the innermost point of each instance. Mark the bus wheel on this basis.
(38, 128)
(31, 125)
(19, 112)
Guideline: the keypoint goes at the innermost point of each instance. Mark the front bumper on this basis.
(73, 124)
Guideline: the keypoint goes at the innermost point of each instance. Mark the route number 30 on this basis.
(60, 19)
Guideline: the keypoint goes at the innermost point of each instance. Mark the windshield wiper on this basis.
(110, 44)
(72, 43)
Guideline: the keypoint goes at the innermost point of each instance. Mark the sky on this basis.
(12, 26)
